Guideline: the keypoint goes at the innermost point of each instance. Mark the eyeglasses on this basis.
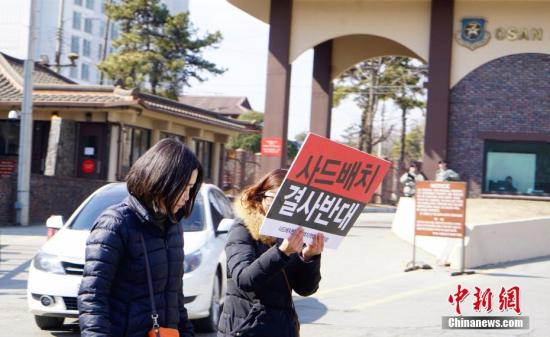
(269, 196)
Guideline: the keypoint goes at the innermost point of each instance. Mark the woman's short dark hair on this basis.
(160, 176)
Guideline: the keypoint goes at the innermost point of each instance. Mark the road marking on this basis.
(358, 285)
(405, 294)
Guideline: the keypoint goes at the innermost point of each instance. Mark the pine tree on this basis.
(156, 51)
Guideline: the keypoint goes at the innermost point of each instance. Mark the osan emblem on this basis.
(473, 33)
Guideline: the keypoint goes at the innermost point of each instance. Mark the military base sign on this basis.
(325, 190)
(440, 208)
(441, 212)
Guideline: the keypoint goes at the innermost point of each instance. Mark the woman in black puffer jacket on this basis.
(113, 299)
(262, 271)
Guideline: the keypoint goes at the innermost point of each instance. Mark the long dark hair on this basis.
(252, 196)
(159, 177)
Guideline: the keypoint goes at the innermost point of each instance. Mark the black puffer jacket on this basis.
(113, 299)
(258, 301)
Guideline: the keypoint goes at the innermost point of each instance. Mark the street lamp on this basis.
(13, 115)
(45, 61)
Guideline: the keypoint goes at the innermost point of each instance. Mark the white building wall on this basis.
(14, 23)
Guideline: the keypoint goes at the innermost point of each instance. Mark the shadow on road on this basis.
(7, 280)
(309, 309)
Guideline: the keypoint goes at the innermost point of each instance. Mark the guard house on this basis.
(85, 136)
(488, 109)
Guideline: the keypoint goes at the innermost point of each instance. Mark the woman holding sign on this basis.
(262, 271)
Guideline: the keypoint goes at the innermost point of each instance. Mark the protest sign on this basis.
(325, 190)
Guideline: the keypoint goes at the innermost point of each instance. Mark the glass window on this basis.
(85, 72)
(90, 4)
(135, 142)
(75, 44)
(86, 48)
(139, 145)
(100, 51)
(195, 221)
(102, 6)
(78, 2)
(98, 203)
(88, 25)
(203, 151)
(101, 28)
(77, 18)
(223, 204)
(114, 32)
(515, 167)
(126, 150)
(9, 138)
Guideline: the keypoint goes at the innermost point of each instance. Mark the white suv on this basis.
(56, 270)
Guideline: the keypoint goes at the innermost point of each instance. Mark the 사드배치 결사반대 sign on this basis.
(325, 190)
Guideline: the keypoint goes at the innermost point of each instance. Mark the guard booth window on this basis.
(134, 142)
(203, 151)
(521, 168)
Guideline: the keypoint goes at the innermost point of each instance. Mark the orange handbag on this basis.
(156, 330)
(163, 332)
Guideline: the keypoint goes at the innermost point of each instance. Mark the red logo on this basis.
(508, 299)
(88, 166)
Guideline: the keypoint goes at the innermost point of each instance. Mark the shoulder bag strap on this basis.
(154, 314)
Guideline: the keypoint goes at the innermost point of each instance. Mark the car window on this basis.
(216, 210)
(87, 216)
(195, 221)
(224, 204)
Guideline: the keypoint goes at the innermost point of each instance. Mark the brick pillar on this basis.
(278, 82)
(321, 91)
(437, 113)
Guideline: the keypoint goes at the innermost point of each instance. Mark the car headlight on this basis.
(192, 261)
(48, 263)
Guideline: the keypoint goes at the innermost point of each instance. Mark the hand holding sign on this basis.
(315, 248)
(294, 243)
(326, 189)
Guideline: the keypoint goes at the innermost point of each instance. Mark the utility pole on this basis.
(59, 35)
(25, 130)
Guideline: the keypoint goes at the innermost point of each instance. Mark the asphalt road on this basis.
(364, 291)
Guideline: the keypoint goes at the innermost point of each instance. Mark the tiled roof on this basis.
(52, 89)
(227, 105)
(170, 106)
(41, 73)
(8, 92)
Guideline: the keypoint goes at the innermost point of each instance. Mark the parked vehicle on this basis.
(56, 270)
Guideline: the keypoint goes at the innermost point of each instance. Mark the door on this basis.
(92, 150)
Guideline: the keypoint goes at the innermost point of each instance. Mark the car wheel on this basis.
(210, 323)
(49, 323)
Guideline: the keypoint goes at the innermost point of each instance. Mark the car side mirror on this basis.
(54, 223)
(225, 225)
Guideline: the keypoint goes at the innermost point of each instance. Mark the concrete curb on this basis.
(379, 209)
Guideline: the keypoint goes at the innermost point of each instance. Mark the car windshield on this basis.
(87, 216)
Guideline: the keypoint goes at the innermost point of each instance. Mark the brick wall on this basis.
(49, 195)
(510, 94)
(7, 199)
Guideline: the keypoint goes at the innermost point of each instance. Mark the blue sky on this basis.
(243, 53)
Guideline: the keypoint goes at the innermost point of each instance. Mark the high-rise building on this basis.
(81, 27)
